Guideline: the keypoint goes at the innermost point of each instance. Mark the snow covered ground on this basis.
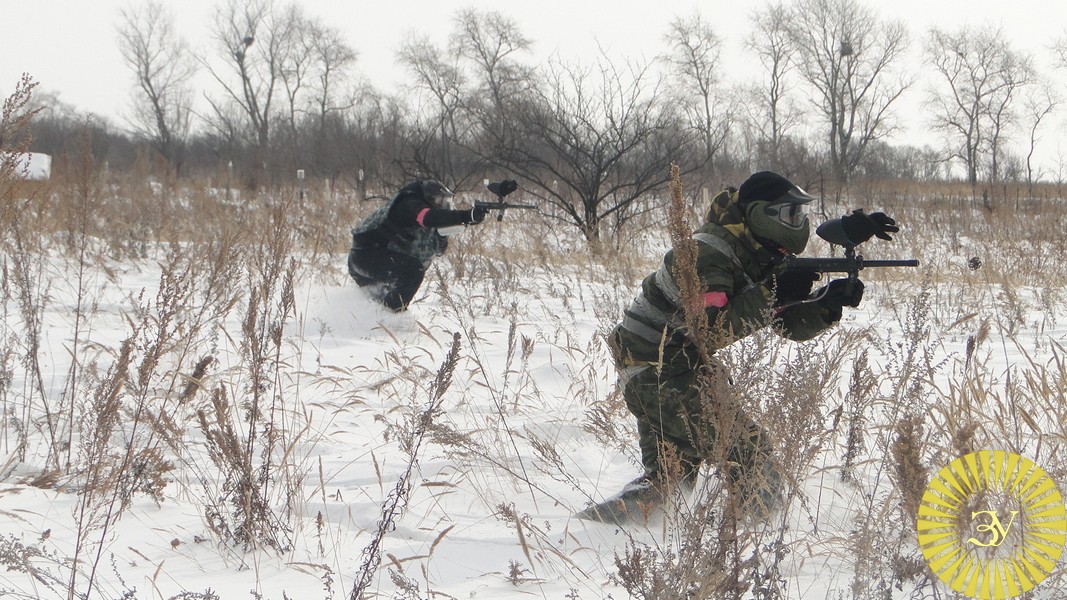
(469, 493)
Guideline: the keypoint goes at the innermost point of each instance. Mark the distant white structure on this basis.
(33, 165)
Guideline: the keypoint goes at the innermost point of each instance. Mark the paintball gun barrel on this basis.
(847, 264)
(501, 189)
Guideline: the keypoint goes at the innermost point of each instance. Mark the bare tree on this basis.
(333, 59)
(978, 78)
(441, 129)
(1039, 103)
(256, 42)
(491, 48)
(1059, 51)
(773, 116)
(1003, 117)
(297, 57)
(847, 55)
(597, 141)
(492, 44)
(363, 141)
(163, 68)
(464, 94)
(694, 60)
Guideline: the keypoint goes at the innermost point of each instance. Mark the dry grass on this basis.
(179, 403)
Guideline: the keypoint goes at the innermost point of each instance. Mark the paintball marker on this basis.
(501, 189)
(852, 263)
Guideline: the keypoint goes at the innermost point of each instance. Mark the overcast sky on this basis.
(69, 47)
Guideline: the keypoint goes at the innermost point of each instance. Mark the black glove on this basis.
(794, 284)
(860, 226)
(837, 294)
(477, 215)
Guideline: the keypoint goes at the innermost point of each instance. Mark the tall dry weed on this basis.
(15, 137)
(121, 455)
(252, 424)
(411, 438)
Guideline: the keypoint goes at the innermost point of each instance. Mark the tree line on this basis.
(593, 139)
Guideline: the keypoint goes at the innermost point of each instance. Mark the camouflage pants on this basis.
(677, 418)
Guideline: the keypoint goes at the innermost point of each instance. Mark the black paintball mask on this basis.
(436, 192)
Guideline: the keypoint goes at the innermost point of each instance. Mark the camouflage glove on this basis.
(860, 227)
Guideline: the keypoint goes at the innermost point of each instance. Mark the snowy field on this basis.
(329, 446)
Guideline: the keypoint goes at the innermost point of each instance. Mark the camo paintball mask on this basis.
(774, 209)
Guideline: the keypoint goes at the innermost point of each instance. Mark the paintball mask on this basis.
(775, 210)
(437, 192)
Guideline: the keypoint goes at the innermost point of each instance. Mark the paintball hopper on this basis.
(833, 231)
(503, 188)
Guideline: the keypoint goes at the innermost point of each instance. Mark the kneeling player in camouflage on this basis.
(686, 413)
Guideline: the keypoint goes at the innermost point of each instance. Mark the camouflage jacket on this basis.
(379, 231)
(734, 274)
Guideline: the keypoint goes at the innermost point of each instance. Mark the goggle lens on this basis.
(791, 214)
